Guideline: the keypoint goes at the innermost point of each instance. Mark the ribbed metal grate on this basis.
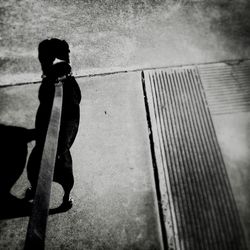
(200, 212)
(227, 87)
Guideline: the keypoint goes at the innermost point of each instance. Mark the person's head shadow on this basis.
(13, 152)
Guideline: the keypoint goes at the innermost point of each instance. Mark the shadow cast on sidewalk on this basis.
(15, 208)
(13, 151)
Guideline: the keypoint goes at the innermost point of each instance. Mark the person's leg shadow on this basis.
(13, 152)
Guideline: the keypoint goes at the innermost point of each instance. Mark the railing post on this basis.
(36, 232)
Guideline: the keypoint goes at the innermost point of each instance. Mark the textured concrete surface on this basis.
(113, 35)
(115, 201)
(233, 131)
(107, 36)
(17, 108)
(200, 211)
(228, 94)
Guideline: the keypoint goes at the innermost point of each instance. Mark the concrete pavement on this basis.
(115, 196)
(186, 104)
(115, 200)
(113, 35)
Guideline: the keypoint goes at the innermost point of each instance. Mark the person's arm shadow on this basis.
(13, 156)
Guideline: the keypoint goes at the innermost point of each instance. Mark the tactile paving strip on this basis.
(199, 208)
(227, 86)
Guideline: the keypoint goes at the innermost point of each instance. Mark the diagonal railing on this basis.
(36, 232)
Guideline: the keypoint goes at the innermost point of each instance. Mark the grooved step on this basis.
(227, 87)
(199, 208)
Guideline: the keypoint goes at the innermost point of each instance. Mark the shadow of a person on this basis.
(54, 56)
(14, 150)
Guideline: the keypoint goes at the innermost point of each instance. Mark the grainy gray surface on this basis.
(115, 204)
(108, 35)
(203, 212)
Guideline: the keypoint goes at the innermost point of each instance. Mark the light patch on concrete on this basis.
(107, 34)
(114, 186)
(233, 133)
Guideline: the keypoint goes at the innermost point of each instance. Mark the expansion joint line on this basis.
(154, 163)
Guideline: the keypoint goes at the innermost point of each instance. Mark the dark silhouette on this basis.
(53, 55)
(13, 148)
